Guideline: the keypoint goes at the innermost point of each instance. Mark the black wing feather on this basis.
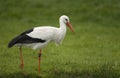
(24, 39)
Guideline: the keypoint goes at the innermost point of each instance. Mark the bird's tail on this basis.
(13, 42)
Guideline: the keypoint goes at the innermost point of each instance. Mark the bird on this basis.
(39, 37)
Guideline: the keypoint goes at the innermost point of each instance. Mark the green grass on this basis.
(92, 52)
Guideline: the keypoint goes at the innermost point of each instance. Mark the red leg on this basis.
(21, 58)
(39, 59)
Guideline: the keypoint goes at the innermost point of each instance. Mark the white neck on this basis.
(61, 32)
(62, 28)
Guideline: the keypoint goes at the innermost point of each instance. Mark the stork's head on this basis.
(65, 19)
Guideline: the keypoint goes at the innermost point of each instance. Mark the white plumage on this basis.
(47, 33)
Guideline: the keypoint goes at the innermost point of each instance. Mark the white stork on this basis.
(38, 37)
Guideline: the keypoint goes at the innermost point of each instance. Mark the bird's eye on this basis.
(66, 19)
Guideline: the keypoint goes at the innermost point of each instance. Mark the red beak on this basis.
(70, 26)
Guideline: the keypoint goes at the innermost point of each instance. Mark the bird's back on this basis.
(45, 32)
(37, 36)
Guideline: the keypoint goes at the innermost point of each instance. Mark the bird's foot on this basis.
(22, 71)
(22, 66)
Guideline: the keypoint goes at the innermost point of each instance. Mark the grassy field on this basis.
(92, 52)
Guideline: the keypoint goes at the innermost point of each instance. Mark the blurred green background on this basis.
(92, 52)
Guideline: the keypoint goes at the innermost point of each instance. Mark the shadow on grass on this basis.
(19, 75)
(105, 71)
(102, 72)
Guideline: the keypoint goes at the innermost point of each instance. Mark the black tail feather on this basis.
(18, 38)
(13, 42)
(24, 39)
